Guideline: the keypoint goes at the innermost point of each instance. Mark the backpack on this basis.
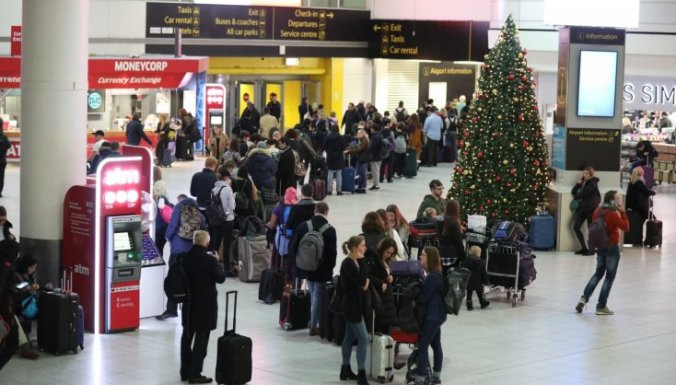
(191, 221)
(176, 285)
(400, 145)
(384, 148)
(455, 288)
(400, 115)
(252, 226)
(216, 215)
(283, 235)
(598, 233)
(241, 200)
(311, 248)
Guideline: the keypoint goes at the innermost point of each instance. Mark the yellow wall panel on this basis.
(290, 102)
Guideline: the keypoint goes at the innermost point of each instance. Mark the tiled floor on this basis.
(541, 341)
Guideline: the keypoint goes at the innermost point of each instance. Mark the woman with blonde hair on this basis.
(638, 205)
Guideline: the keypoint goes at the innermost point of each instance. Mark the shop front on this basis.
(118, 88)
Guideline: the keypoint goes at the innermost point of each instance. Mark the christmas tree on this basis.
(502, 170)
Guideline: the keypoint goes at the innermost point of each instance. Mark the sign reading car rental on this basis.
(122, 73)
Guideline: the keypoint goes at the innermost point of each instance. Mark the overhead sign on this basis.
(105, 73)
(212, 21)
(15, 40)
(408, 39)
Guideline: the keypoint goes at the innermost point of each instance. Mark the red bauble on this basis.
(508, 185)
(467, 134)
(512, 172)
(466, 192)
(474, 120)
(525, 51)
(505, 211)
(498, 178)
(494, 214)
(465, 154)
(481, 209)
(480, 155)
(535, 107)
(510, 77)
(525, 143)
(461, 144)
(489, 201)
(524, 78)
(521, 117)
(536, 162)
(536, 186)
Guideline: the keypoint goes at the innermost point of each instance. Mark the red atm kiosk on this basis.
(102, 244)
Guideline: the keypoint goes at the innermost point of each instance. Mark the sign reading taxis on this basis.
(214, 21)
(405, 39)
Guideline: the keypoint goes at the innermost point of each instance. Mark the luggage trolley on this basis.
(503, 261)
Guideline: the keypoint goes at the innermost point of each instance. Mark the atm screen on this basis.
(121, 241)
(216, 120)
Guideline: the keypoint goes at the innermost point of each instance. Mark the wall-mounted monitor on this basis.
(597, 82)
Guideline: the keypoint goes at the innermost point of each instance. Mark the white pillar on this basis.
(55, 45)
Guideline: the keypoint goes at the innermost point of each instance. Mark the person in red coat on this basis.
(607, 261)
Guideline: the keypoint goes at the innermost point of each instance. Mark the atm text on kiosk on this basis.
(107, 266)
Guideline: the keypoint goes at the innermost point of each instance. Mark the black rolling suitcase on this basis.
(182, 147)
(272, 283)
(294, 311)
(410, 163)
(233, 362)
(58, 322)
(325, 315)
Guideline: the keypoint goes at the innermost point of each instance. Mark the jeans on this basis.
(430, 335)
(339, 181)
(315, 289)
(193, 353)
(356, 331)
(375, 172)
(579, 218)
(607, 262)
(361, 175)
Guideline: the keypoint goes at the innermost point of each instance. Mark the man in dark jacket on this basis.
(4, 147)
(334, 145)
(134, 131)
(250, 119)
(350, 118)
(286, 167)
(275, 106)
(203, 182)
(376, 148)
(262, 167)
(645, 154)
(200, 314)
(189, 128)
(304, 108)
(317, 279)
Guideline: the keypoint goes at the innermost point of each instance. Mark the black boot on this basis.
(470, 306)
(346, 373)
(361, 378)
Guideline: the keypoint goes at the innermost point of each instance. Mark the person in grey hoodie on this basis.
(222, 232)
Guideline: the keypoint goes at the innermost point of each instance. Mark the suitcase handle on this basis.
(234, 312)
(67, 279)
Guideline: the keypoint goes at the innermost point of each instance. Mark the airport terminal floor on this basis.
(541, 341)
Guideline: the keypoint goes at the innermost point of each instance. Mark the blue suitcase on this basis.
(542, 232)
(348, 182)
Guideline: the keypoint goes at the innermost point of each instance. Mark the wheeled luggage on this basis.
(411, 163)
(542, 232)
(272, 284)
(233, 360)
(382, 358)
(294, 311)
(182, 148)
(511, 265)
(348, 179)
(58, 322)
(254, 257)
(635, 234)
(325, 314)
(168, 155)
(653, 230)
(320, 189)
(649, 176)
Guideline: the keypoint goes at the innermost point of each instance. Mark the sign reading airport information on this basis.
(403, 39)
(211, 21)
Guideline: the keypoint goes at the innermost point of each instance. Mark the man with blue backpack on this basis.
(604, 238)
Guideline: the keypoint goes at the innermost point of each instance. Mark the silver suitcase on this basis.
(382, 358)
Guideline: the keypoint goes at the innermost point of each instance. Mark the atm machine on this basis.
(123, 272)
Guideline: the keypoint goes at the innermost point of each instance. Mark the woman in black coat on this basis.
(381, 279)
(586, 192)
(638, 204)
(286, 168)
(354, 282)
(450, 236)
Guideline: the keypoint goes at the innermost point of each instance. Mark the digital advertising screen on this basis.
(597, 84)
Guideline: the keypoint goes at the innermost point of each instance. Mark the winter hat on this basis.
(290, 196)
